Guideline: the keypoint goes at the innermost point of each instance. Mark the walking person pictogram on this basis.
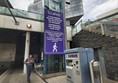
(55, 47)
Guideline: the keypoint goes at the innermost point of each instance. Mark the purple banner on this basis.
(53, 32)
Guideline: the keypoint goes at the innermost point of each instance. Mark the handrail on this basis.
(35, 71)
(3, 75)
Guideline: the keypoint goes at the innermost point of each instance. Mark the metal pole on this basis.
(65, 32)
(45, 64)
(16, 22)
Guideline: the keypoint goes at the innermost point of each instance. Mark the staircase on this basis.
(96, 36)
(103, 36)
(104, 28)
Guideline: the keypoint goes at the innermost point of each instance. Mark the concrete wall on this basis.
(7, 52)
(9, 23)
(69, 33)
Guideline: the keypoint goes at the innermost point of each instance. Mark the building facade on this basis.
(26, 37)
(102, 36)
(36, 7)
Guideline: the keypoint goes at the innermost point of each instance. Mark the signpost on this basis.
(53, 31)
(54, 38)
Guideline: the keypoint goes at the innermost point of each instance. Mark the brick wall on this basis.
(110, 52)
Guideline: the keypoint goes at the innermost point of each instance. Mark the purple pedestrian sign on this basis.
(53, 32)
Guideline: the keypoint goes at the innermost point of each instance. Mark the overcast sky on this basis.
(92, 8)
(21, 4)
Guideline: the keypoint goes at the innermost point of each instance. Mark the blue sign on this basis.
(53, 32)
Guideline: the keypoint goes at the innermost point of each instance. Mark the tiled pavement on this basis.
(17, 76)
(58, 79)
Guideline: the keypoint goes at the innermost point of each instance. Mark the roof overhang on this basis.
(74, 19)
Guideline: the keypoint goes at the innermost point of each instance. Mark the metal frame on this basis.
(16, 22)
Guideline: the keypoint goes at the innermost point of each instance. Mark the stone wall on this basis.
(109, 49)
(110, 53)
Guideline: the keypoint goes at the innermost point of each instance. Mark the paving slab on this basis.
(58, 79)
(17, 76)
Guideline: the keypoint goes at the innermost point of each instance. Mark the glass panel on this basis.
(31, 15)
(28, 8)
(21, 13)
(2, 9)
(74, 31)
(40, 17)
(55, 63)
(7, 11)
(54, 5)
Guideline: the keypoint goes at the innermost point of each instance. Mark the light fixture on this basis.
(29, 26)
(68, 2)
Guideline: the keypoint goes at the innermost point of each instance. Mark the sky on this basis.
(21, 4)
(92, 8)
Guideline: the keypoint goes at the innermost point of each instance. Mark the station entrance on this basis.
(34, 48)
(12, 50)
